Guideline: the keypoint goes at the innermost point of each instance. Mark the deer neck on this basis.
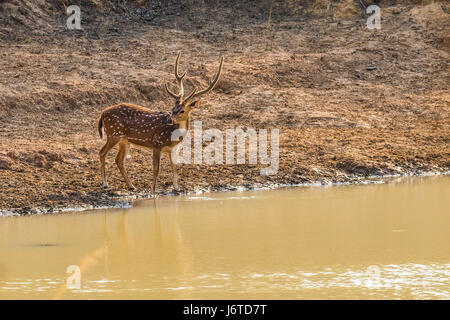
(184, 124)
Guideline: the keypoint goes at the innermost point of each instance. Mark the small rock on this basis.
(5, 163)
(36, 159)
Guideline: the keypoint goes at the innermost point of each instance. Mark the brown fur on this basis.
(126, 123)
(100, 126)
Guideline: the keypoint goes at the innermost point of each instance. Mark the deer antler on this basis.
(179, 79)
(211, 83)
(192, 94)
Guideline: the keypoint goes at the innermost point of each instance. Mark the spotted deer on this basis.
(126, 124)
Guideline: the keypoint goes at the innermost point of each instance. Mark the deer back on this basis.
(139, 125)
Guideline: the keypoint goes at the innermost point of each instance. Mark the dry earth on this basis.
(350, 102)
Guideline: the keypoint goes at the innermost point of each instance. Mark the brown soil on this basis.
(349, 102)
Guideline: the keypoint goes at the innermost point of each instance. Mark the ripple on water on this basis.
(420, 281)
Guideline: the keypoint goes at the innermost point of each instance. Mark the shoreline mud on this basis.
(125, 201)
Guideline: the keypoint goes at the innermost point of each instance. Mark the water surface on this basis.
(382, 241)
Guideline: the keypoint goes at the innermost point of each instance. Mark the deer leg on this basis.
(120, 158)
(110, 143)
(156, 160)
(174, 169)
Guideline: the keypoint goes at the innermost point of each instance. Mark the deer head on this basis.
(183, 106)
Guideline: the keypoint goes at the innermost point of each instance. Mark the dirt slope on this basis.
(349, 102)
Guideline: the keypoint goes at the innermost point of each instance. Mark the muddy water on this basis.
(364, 242)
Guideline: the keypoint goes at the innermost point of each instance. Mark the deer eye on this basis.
(182, 111)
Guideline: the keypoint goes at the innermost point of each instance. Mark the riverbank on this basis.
(124, 199)
(350, 103)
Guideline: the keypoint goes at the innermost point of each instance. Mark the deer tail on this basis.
(100, 126)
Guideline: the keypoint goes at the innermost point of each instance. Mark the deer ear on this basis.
(195, 104)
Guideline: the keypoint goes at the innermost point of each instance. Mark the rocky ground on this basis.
(349, 102)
